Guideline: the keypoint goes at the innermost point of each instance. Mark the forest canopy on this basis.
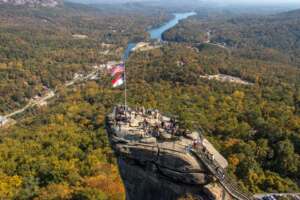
(62, 151)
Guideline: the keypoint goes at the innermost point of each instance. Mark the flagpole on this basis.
(125, 84)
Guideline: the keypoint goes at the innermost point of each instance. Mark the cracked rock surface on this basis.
(151, 172)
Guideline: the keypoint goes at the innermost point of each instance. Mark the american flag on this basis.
(118, 69)
(119, 80)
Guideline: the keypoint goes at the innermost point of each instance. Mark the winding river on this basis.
(156, 33)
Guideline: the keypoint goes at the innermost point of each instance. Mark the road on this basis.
(51, 93)
(208, 41)
(296, 196)
(32, 103)
(230, 186)
(218, 45)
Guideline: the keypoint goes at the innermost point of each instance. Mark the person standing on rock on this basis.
(188, 148)
(145, 124)
(119, 125)
(163, 124)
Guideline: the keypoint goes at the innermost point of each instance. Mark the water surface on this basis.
(156, 33)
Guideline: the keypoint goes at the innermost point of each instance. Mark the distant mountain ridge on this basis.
(33, 3)
(289, 14)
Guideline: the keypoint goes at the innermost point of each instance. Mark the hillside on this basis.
(289, 15)
(267, 37)
(32, 3)
(61, 151)
(38, 47)
(41, 49)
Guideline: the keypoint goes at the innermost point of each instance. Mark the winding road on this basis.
(31, 104)
(51, 94)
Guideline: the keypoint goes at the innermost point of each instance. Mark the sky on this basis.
(221, 2)
(260, 1)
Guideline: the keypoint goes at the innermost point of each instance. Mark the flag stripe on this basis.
(118, 83)
(118, 73)
(117, 69)
(119, 80)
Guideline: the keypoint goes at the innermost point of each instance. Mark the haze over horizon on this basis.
(223, 2)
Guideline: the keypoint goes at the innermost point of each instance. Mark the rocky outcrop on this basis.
(156, 165)
(151, 172)
(147, 183)
(216, 192)
(32, 3)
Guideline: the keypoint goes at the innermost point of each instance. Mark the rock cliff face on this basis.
(150, 172)
(156, 162)
(32, 3)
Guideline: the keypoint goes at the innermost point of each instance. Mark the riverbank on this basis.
(156, 33)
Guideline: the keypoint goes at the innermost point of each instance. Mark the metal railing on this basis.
(230, 186)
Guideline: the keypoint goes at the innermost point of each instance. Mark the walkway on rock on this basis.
(229, 185)
(139, 128)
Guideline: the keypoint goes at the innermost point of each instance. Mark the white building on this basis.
(79, 36)
(3, 121)
(77, 75)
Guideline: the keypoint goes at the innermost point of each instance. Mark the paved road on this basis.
(32, 103)
(294, 195)
(50, 94)
(218, 45)
(208, 41)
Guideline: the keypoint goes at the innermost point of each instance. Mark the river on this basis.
(156, 33)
